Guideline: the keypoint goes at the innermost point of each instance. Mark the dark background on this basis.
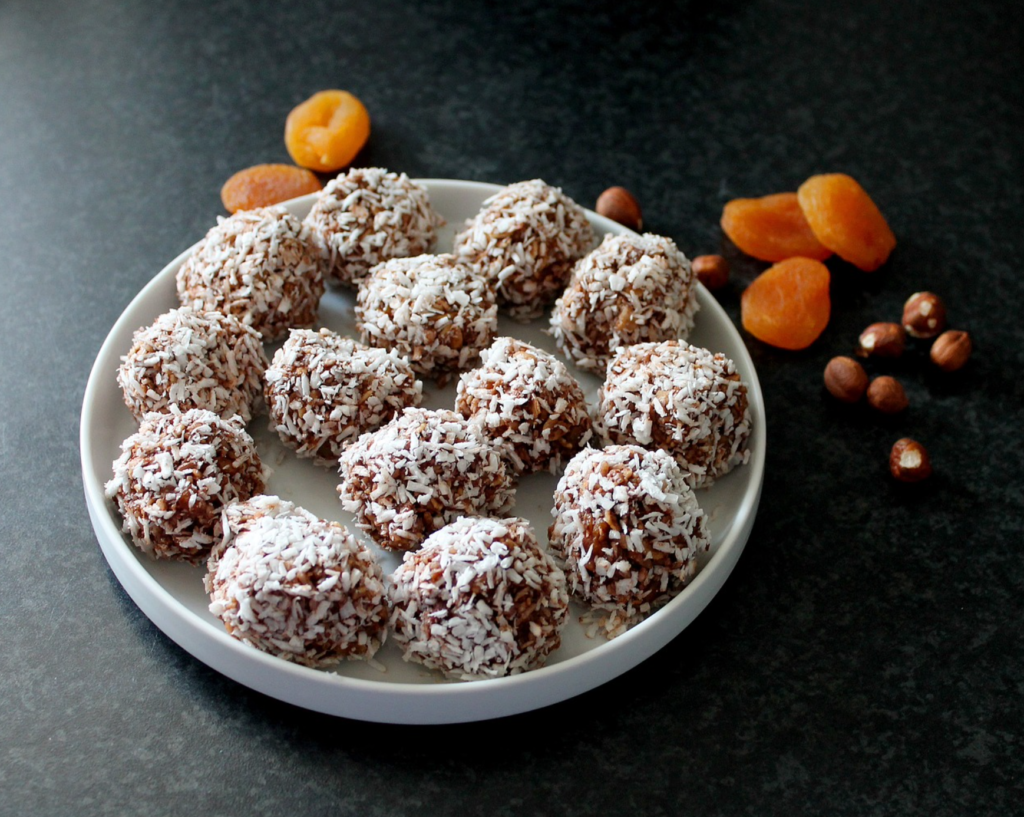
(866, 656)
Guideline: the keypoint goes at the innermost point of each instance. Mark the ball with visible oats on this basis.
(298, 587)
(480, 599)
(680, 398)
(370, 215)
(175, 476)
(420, 472)
(432, 309)
(526, 238)
(527, 399)
(629, 530)
(263, 266)
(631, 289)
(194, 360)
(324, 390)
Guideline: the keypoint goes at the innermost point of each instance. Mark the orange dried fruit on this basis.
(846, 220)
(771, 228)
(788, 304)
(325, 132)
(264, 185)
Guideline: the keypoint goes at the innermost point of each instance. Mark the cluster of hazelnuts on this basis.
(924, 317)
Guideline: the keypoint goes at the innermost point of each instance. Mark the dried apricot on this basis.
(846, 220)
(264, 185)
(771, 228)
(326, 131)
(788, 304)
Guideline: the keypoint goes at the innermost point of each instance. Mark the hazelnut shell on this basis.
(711, 270)
(845, 379)
(951, 350)
(886, 394)
(618, 204)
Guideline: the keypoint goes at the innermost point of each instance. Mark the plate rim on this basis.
(393, 702)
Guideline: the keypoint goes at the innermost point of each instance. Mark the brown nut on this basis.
(618, 204)
(924, 315)
(711, 270)
(882, 340)
(845, 379)
(885, 394)
(951, 350)
(909, 461)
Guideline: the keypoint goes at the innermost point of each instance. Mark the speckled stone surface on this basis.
(865, 658)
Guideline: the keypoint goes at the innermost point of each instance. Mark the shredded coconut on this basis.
(629, 529)
(239, 516)
(526, 239)
(194, 360)
(631, 289)
(323, 391)
(263, 266)
(176, 474)
(431, 309)
(527, 399)
(296, 586)
(480, 599)
(680, 398)
(370, 215)
(419, 472)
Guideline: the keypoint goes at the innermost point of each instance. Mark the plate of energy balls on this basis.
(423, 451)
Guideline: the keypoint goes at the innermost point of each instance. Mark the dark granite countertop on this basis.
(866, 655)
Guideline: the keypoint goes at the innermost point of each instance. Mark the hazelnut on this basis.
(882, 340)
(711, 270)
(909, 461)
(924, 315)
(618, 204)
(951, 350)
(845, 379)
(885, 394)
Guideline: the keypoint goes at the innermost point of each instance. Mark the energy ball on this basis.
(431, 309)
(480, 599)
(175, 476)
(370, 215)
(298, 587)
(526, 398)
(631, 289)
(629, 530)
(263, 266)
(680, 398)
(323, 391)
(526, 238)
(420, 472)
(194, 360)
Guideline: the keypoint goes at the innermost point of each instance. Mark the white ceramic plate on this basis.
(172, 596)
